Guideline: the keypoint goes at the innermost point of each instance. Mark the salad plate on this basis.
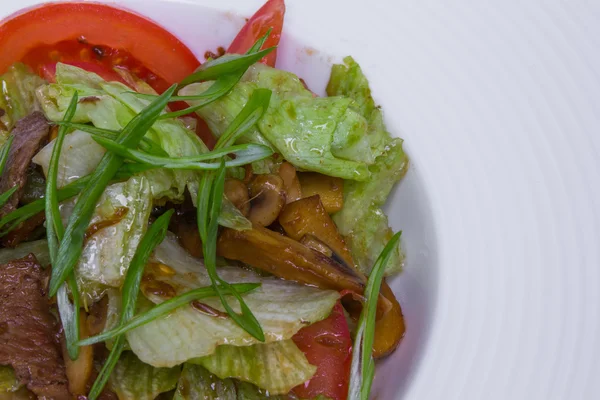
(497, 105)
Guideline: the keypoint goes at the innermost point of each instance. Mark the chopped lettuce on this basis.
(284, 84)
(196, 383)
(108, 252)
(232, 217)
(17, 99)
(109, 105)
(281, 307)
(133, 380)
(80, 155)
(8, 380)
(220, 113)
(39, 248)
(247, 391)
(303, 131)
(362, 220)
(315, 134)
(276, 367)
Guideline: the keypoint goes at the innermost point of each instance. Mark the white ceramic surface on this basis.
(499, 105)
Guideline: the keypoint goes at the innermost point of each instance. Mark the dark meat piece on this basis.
(24, 232)
(28, 332)
(29, 133)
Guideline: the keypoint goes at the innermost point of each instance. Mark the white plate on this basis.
(499, 105)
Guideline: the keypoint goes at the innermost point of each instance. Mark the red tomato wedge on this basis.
(42, 35)
(269, 16)
(328, 346)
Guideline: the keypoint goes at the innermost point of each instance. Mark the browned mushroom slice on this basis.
(291, 183)
(390, 328)
(79, 371)
(184, 225)
(330, 189)
(315, 244)
(287, 259)
(308, 216)
(237, 192)
(267, 198)
(291, 260)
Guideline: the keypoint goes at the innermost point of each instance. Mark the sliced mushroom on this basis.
(291, 183)
(330, 189)
(267, 198)
(79, 371)
(287, 259)
(389, 328)
(315, 244)
(237, 192)
(308, 216)
(291, 260)
(184, 225)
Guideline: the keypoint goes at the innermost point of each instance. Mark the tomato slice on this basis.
(268, 16)
(328, 346)
(67, 31)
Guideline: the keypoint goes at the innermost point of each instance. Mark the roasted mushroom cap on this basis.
(237, 192)
(291, 183)
(267, 198)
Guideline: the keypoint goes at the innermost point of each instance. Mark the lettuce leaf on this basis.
(220, 113)
(362, 220)
(196, 383)
(316, 134)
(17, 98)
(109, 105)
(247, 391)
(303, 131)
(276, 367)
(108, 252)
(281, 307)
(133, 380)
(80, 155)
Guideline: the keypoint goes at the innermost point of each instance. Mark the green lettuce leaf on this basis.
(276, 367)
(39, 248)
(109, 105)
(303, 131)
(133, 380)
(362, 220)
(108, 252)
(220, 113)
(281, 307)
(196, 383)
(248, 391)
(17, 100)
(283, 83)
(316, 134)
(8, 380)
(80, 155)
(232, 217)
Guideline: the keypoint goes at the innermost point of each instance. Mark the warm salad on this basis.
(182, 231)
